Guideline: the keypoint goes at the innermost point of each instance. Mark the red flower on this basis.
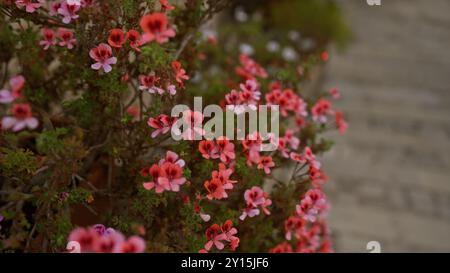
(116, 38)
(341, 124)
(48, 38)
(155, 27)
(159, 182)
(250, 69)
(266, 163)
(214, 238)
(180, 73)
(161, 123)
(284, 247)
(215, 189)
(173, 176)
(102, 54)
(134, 38)
(226, 149)
(320, 110)
(67, 39)
(134, 244)
(208, 149)
(165, 5)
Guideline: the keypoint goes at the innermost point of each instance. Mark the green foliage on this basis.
(17, 163)
(50, 141)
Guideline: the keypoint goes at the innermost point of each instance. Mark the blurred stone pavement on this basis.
(390, 174)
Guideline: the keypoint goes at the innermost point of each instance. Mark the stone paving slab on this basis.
(390, 175)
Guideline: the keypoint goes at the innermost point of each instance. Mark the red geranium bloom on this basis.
(214, 238)
(208, 149)
(174, 176)
(116, 38)
(155, 28)
(215, 189)
(134, 38)
(161, 123)
(180, 73)
(165, 5)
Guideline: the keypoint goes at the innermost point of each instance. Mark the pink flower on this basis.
(54, 6)
(223, 175)
(320, 110)
(341, 124)
(205, 217)
(230, 232)
(335, 94)
(225, 149)
(249, 211)
(310, 206)
(208, 149)
(311, 158)
(6, 96)
(173, 176)
(252, 147)
(161, 123)
(171, 89)
(102, 54)
(49, 38)
(294, 225)
(97, 239)
(68, 11)
(180, 73)
(254, 196)
(284, 247)
(297, 157)
(172, 157)
(148, 83)
(102, 230)
(291, 139)
(250, 69)
(74, 2)
(108, 243)
(159, 182)
(30, 5)
(17, 83)
(193, 120)
(215, 189)
(165, 5)
(22, 118)
(86, 237)
(134, 244)
(155, 28)
(266, 163)
(214, 237)
(67, 39)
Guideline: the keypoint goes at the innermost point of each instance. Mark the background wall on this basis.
(390, 175)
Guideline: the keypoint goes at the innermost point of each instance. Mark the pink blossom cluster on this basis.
(167, 175)
(313, 203)
(222, 148)
(309, 238)
(64, 37)
(249, 95)
(287, 100)
(219, 235)
(220, 182)
(255, 199)
(162, 124)
(99, 239)
(21, 116)
(249, 69)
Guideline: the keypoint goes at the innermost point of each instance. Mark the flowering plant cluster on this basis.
(86, 126)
